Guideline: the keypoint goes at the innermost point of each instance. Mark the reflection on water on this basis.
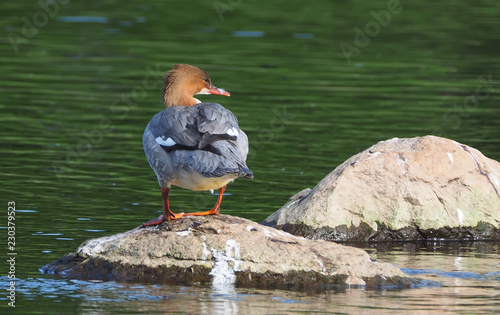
(248, 34)
(84, 19)
(223, 299)
(468, 283)
(80, 83)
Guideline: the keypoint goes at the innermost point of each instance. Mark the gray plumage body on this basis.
(198, 147)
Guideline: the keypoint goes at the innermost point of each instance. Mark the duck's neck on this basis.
(176, 92)
(177, 98)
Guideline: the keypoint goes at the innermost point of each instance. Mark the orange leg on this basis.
(216, 209)
(167, 213)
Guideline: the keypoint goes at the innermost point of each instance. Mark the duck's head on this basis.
(184, 81)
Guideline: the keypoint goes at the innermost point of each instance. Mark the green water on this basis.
(308, 90)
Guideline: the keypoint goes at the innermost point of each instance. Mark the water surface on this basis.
(81, 80)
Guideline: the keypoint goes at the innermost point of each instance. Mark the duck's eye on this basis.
(206, 79)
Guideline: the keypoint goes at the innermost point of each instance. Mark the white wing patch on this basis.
(232, 132)
(167, 143)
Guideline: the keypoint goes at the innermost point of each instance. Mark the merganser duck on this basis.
(194, 145)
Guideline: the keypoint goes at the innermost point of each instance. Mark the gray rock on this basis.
(222, 250)
(401, 189)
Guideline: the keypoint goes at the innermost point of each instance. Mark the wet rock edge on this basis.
(364, 233)
(73, 266)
